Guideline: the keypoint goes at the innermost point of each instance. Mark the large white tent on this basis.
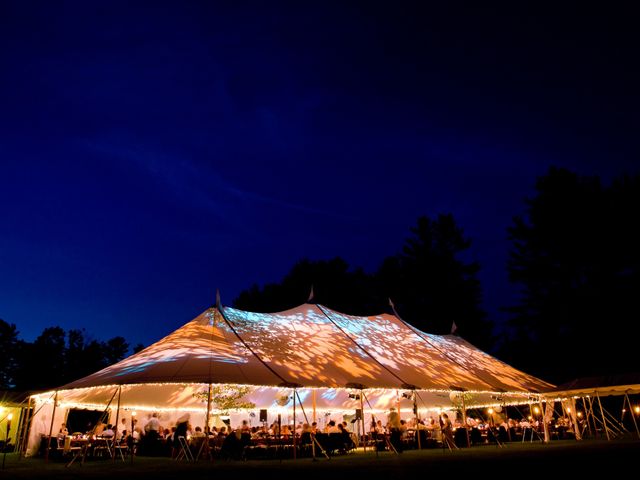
(322, 358)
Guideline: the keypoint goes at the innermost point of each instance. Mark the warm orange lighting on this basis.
(536, 410)
(637, 409)
(10, 417)
(579, 414)
(568, 409)
(133, 414)
(530, 418)
(490, 411)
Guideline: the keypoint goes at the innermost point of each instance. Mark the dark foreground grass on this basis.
(517, 461)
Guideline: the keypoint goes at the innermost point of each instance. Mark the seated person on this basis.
(108, 432)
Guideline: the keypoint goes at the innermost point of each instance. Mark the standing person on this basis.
(394, 425)
(447, 432)
(182, 426)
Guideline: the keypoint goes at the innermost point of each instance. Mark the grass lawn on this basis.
(529, 460)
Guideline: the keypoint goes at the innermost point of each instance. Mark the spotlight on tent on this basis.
(354, 396)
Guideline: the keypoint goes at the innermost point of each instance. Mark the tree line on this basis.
(573, 255)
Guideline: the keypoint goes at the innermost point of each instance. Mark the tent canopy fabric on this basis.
(313, 346)
(602, 385)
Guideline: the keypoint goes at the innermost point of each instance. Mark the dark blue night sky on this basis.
(151, 152)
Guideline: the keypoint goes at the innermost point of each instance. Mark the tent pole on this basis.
(606, 430)
(592, 417)
(574, 420)
(632, 413)
(545, 427)
(115, 430)
(293, 433)
(206, 420)
(25, 430)
(586, 415)
(313, 404)
(464, 421)
(53, 416)
(361, 422)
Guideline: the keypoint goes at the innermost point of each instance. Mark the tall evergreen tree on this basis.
(575, 256)
(432, 286)
(334, 283)
(9, 345)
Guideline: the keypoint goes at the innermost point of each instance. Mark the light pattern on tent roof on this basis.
(313, 346)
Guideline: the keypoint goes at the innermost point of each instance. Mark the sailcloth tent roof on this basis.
(312, 346)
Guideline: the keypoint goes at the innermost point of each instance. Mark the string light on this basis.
(510, 398)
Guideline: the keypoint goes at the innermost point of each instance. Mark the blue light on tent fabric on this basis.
(329, 394)
(303, 395)
(135, 369)
(221, 359)
(211, 315)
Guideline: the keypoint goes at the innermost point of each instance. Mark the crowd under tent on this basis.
(310, 362)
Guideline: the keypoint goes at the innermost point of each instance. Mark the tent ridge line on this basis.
(361, 347)
(224, 317)
(416, 332)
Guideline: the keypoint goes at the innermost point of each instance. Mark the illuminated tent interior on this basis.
(326, 358)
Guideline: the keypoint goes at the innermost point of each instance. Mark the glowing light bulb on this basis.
(10, 417)
(637, 409)
(536, 410)
(568, 409)
(579, 414)
(133, 414)
(490, 411)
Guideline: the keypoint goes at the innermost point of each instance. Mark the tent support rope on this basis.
(314, 440)
(53, 416)
(360, 346)
(246, 345)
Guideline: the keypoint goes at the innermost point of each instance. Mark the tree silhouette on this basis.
(575, 256)
(334, 283)
(9, 345)
(432, 286)
(50, 361)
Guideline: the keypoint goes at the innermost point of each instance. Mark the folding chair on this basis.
(185, 451)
